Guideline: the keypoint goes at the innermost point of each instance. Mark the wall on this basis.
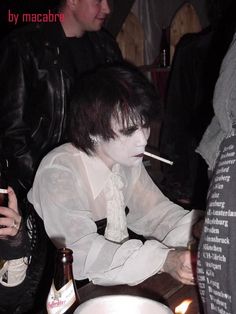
(157, 14)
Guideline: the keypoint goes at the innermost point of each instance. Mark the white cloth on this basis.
(13, 272)
(69, 194)
(116, 229)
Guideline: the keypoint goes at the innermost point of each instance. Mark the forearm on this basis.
(17, 246)
(14, 259)
(106, 263)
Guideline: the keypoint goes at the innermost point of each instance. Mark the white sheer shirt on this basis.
(69, 194)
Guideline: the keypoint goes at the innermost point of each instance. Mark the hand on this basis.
(197, 228)
(9, 216)
(179, 265)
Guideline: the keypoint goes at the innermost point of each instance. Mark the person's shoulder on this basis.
(21, 33)
(14, 43)
(20, 38)
(57, 156)
(34, 34)
(104, 41)
(103, 37)
(102, 33)
(106, 34)
(194, 40)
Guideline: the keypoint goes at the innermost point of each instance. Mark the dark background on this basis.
(120, 10)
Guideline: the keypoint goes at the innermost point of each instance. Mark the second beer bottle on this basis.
(63, 297)
(164, 49)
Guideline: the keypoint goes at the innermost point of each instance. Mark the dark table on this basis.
(162, 288)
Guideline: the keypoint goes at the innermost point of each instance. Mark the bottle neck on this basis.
(63, 274)
(3, 173)
(63, 296)
(164, 50)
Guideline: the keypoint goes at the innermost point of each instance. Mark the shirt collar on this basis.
(98, 173)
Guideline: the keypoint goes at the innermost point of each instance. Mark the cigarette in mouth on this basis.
(159, 158)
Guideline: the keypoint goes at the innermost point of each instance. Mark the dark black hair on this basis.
(119, 91)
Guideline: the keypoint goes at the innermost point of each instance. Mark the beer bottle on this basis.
(3, 182)
(164, 50)
(63, 297)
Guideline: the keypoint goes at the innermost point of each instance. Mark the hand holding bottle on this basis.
(14, 240)
(10, 218)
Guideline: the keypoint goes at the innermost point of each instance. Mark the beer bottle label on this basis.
(59, 301)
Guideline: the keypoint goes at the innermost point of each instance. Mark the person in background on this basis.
(93, 190)
(39, 64)
(20, 258)
(217, 250)
(188, 108)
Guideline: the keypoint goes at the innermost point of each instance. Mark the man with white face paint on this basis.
(83, 188)
(128, 146)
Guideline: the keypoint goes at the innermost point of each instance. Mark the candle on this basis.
(159, 158)
(183, 307)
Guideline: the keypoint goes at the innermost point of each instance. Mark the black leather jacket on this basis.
(35, 83)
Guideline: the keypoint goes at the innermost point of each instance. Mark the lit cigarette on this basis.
(4, 191)
(159, 158)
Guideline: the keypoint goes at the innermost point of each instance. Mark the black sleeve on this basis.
(31, 294)
(19, 245)
(15, 133)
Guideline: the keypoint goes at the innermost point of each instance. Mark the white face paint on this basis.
(126, 148)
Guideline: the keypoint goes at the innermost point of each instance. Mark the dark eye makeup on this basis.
(131, 129)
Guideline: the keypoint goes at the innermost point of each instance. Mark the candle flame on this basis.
(182, 307)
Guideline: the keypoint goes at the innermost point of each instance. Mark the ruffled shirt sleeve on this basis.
(155, 216)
